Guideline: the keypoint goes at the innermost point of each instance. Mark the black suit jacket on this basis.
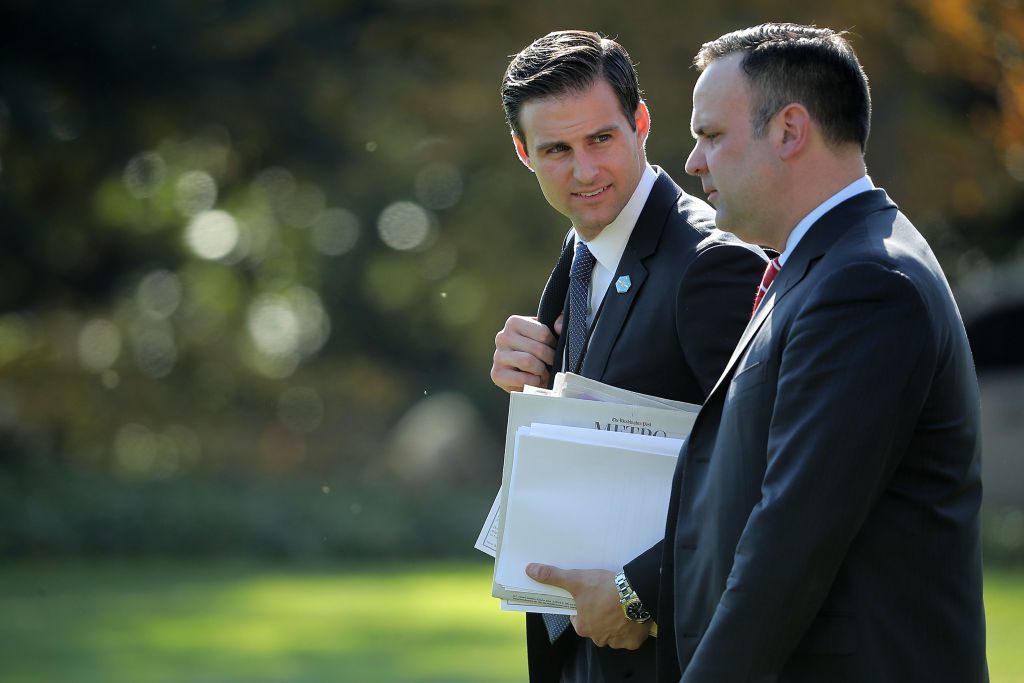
(824, 520)
(669, 335)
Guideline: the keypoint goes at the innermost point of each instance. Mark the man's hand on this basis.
(598, 613)
(524, 349)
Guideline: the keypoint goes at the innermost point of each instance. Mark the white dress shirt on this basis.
(859, 186)
(610, 244)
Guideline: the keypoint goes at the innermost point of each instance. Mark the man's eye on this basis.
(604, 137)
(555, 149)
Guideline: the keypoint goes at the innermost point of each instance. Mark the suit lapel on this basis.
(822, 235)
(643, 241)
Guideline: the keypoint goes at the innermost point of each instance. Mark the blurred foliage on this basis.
(243, 238)
(297, 519)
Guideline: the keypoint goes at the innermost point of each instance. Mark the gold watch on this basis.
(630, 601)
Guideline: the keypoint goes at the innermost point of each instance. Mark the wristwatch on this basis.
(630, 601)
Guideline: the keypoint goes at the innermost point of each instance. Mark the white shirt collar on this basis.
(609, 245)
(861, 185)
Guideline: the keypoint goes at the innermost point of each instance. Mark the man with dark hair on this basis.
(824, 518)
(656, 302)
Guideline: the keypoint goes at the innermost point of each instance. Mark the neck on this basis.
(815, 183)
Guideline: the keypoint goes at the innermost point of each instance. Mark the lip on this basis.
(601, 192)
(710, 194)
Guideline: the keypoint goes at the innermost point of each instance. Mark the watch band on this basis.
(631, 604)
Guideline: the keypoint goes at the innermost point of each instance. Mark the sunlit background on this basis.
(254, 255)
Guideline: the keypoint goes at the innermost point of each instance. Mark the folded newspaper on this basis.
(564, 499)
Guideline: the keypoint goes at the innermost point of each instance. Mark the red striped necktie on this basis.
(769, 274)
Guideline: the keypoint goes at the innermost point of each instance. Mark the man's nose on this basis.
(584, 168)
(696, 164)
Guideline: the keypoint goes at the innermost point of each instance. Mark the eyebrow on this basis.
(611, 128)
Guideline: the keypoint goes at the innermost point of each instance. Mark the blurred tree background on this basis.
(254, 253)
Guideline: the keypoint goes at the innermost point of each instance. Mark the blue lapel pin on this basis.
(622, 284)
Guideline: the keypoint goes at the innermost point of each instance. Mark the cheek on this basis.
(550, 188)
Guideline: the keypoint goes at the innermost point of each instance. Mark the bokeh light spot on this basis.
(99, 345)
(289, 323)
(154, 348)
(144, 174)
(273, 325)
(336, 232)
(439, 262)
(159, 294)
(195, 192)
(212, 234)
(404, 225)
(438, 186)
(140, 453)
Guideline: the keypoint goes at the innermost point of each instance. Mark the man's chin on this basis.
(589, 229)
(723, 223)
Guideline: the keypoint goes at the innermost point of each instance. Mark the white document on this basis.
(529, 407)
(570, 505)
(571, 385)
(487, 539)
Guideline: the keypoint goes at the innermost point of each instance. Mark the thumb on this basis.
(559, 322)
(551, 575)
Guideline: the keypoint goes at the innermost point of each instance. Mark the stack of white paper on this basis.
(570, 505)
(585, 485)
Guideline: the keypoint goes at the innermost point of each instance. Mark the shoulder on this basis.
(884, 251)
(867, 285)
(688, 231)
(680, 210)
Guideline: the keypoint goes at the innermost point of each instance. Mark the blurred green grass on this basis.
(195, 623)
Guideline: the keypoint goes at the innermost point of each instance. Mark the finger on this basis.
(518, 360)
(510, 340)
(625, 643)
(559, 322)
(580, 626)
(511, 371)
(531, 328)
(514, 380)
(552, 576)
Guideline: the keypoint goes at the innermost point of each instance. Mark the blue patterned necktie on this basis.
(579, 303)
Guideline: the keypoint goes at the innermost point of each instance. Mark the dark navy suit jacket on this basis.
(824, 519)
(670, 335)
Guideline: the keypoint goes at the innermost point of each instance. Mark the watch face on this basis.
(636, 612)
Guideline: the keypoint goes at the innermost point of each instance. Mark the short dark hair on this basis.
(816, 67)
(568, 61)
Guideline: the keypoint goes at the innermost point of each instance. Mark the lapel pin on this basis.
(622, 284)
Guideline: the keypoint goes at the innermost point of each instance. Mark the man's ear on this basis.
(642, 121)
(521, 151)
(793, 129)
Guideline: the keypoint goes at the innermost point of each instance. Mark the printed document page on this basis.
(582, 498)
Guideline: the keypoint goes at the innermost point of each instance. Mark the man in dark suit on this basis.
(824, 520)
(658, 309)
